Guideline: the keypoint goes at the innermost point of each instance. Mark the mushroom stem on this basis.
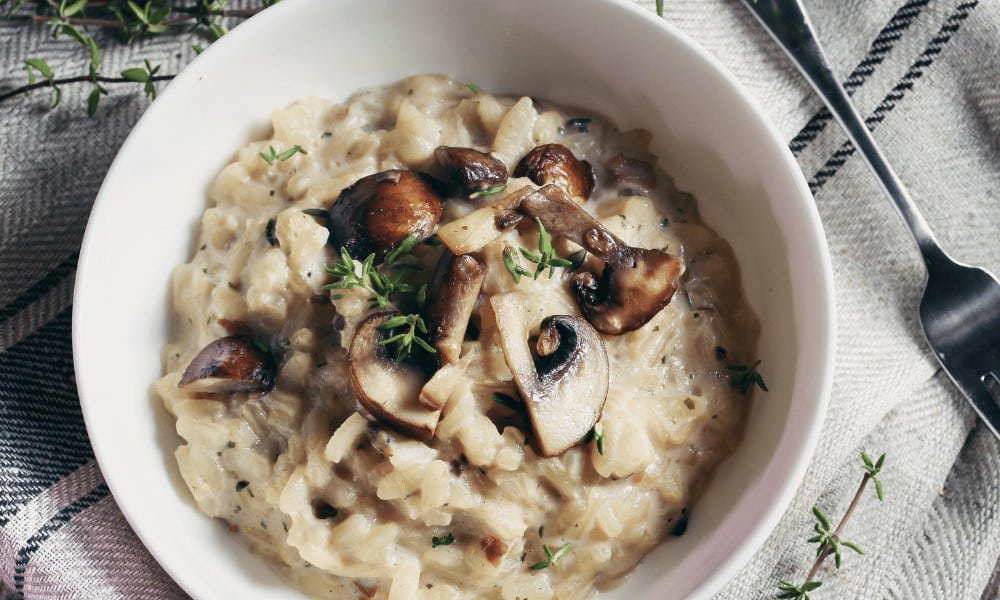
(480, 227)
(456, 288)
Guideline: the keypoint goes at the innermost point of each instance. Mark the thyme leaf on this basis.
(413, 326)
(273, 155)
(551, 558)
(745, 377)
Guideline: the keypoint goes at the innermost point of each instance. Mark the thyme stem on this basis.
(189, 15)
(840, 526)
(79, 79)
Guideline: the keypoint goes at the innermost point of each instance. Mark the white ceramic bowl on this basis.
(606, 55)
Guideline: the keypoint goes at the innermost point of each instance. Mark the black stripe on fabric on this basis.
(892, 99)
(43, 285)
(42, 435)
(46, 531)
(884, 42)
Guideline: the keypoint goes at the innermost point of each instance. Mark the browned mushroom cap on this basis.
(472, 170)
(456, 288)
(555, 163)
(387, 391)
(566, 386)
(229, 365)
(636, 283)
(379, 211)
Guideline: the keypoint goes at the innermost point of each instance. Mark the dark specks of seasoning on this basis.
(682, 523)
(696, 315)
(720, 353)
(579, 124)
(230, 444)
(269, 232)
(241, 485)
(271, 193)
(664, 222)
(203, 246)
(322, 509)
(326, 135)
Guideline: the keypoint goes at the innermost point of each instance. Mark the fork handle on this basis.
(788, 24)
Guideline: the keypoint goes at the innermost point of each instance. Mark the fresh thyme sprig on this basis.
(551, 558)
(128, 20)
(385, 283)
(273, 155)
(545, 258)
(405, 340)
(746, 376)
(829, 540)
(444, 540)
(513, 265)
(346, 273)
(408, 244)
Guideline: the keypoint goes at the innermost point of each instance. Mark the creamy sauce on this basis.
(344, 508)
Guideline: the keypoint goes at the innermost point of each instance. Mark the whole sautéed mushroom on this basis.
(487, 383)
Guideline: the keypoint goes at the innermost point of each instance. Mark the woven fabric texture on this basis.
(925, 73)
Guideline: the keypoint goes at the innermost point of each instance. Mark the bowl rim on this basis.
(822, 354)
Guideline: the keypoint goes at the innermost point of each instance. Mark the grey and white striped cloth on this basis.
(927, 75)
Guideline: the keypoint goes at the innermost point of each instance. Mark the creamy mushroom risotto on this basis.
(435, 343)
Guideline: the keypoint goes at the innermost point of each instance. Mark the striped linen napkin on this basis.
(924, 72)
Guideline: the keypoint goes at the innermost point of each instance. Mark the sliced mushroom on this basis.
(388, 391)
(633, 177)
(229, 365)
(555, 163)
(636, 282)
(564, 389)
(379, 211)
(472, 170)
(456, 288)
(480, 227)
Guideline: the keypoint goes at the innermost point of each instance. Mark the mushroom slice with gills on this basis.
(483, 225)
(473, 171)
(564, 389)
(230, 365)
(379, 211)
(388, 391)
(556, 164)
(456, 286)
(636, 282)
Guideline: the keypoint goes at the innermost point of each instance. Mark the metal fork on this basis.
(960, 309)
